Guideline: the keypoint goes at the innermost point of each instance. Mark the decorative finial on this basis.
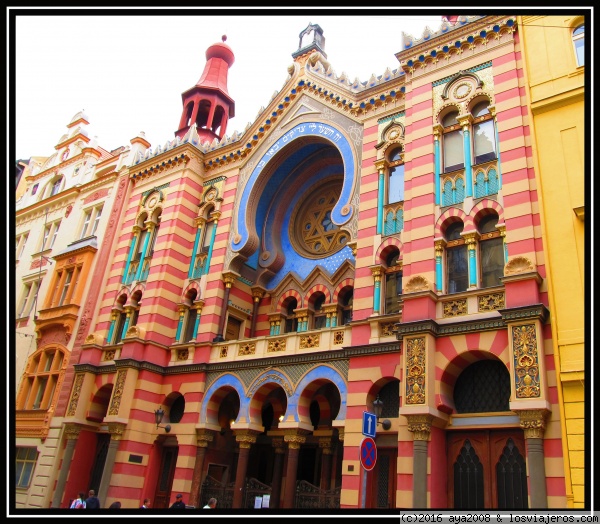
(224, 37)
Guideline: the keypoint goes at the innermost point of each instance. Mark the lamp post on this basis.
(378, 408)
(158, 416)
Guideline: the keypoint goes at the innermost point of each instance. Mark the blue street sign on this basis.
(368, 453)
(369, 424)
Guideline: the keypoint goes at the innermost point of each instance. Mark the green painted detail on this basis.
(471, 70)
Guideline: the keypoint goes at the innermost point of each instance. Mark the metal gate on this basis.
(309, 496)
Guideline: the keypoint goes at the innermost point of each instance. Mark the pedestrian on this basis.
(146, 504)
(115, 505)
(211, 504)
(178, 504)
(79, 502)
(92, 502)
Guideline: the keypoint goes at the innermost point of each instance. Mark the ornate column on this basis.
(325, 445)
(192, 269)
(116, 431)
(132, 248)
(420, 427)
(439, 268)
(502, 230)
(71, 434)
(215, 215)
(294, 441)
(228, 279)
(198, 304)
(465, 121)
(376, 272)
(380, 166)
(470, 240)
(437, 131)
(204, 436)
(257, 294)
(182, 310)
(245, 438)
(150, 229)
(533, 422)
(279, 446)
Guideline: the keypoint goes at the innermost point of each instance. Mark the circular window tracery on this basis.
(312, 231)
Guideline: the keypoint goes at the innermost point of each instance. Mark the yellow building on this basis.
(554, 65)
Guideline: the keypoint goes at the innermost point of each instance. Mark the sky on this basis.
(127, 71)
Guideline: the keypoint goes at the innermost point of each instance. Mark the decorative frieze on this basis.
(75, 395)
(247, 349)
(454, 308)
(118, 392)
(525, 354)
(491, 302)
(309, 341)
(415, 371)
(277, 344)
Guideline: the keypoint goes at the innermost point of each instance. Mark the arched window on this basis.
(395, 187)
(204, 240)
(453, 146)
(345, 300)
(291, 322)
(484, 142)
(457, 265)
(491, 251)
(319, 317)
(393, 283)
(579, 44)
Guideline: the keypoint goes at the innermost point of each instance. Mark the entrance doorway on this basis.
(486, 470)
(381, 483)
(165, 479)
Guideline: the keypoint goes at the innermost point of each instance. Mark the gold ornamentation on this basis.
(271, 377)
(420, 426)
(309, 341)
(76, 394)
(116, 430)
(118, 392)
(109, 354)
(276, 345)
(247, 349)
(183, 354)
(387, 329)
(518, 265)
(338, 337)
(533, 422)
(462, 90)
(455, 308)
(415, 371)
(72, 431)
(490, 302)
(222, 351)
(527, 379)
(417, 283)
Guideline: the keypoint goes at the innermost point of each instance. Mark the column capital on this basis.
(420, 426)
(116, 430)
(376, 271)
(380, 165)
(258, 293)
(325, 445)
(229, 278)
(295, 438)
(72, 431)
(279, 445)
(204, 436)
(245, 437)
(533, 422)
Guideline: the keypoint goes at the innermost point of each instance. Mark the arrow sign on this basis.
(368, 453)
(369, 424)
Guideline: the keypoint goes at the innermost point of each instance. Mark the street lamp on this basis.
(378, 408)
(158, 416)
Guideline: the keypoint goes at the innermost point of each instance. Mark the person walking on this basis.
(79, 502)
(92, 502)
(211, 504)
(115, 505)
(146, 504)
(178, 504)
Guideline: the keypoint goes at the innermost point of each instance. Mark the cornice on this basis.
(431, 327)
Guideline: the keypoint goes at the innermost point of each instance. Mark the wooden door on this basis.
(165, 479)
(381, 481)
(486, 470)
